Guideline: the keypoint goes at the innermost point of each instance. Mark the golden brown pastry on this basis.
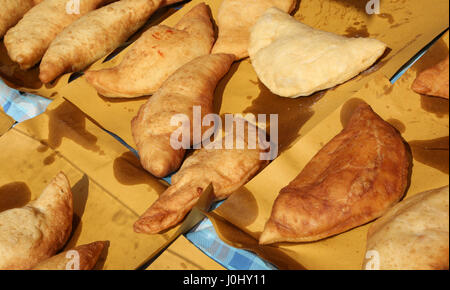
(12, 11)
(94, 35)
(235, 19)
(434, 81)
(85, 258)
(293, 59)
(35, 232)
(413, 235)
(191, 85)
(226, 169)
(157, 54)
(354, 179)
(27, 42)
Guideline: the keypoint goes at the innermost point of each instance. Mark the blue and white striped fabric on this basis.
(205, 238)
(22, 106)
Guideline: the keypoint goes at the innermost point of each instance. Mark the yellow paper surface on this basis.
(6, 122)
(67, 130)
(183, 255)
(111, 190)
(400, 25)
(423, 122)
(405, 26)
(98, 215)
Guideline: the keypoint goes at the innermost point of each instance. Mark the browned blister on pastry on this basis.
(27, 42)
(354, 179)
(12, 11)
(236, 18)
(157, 54)
(95, 35)
(37, 231)
(413, 235)
(226, 169)
(83, 257)
(191, 85)
(434, 81)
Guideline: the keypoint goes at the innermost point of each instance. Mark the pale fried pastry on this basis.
(35, 232)
(293, 59)
(158, 53)
(434, 80)
(12, 11)
(94, 35)
(413, 235)
(191, 85)
(86, 258)
(354, 179)
(235, 19)
(27, 42)
(226, 169)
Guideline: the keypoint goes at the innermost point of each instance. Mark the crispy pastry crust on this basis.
(157, 54)
(434, 81)
(354, 179)
(94, 35)
(413, 235)
(27, 42)
(12, 11)
(33, 233)
(191, 85)
(236, 18)
(293, 59)
(226, 169)
(88, 257)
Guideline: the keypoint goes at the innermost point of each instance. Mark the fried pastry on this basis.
(413, 235)
(191, 85)
(353, 180)
(12, 11)
(27, 42)
(84, 258)
(293, 59)
(35, 232)
(94, 35)
(157, 54)
(235, 19)
(226, 169)
(434, 81)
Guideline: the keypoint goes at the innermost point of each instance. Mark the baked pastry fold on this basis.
(293, 59)
(157, 54)
(413, 235)
(37, 231)
(84, 258)
(191, 85)
(352, 180)
(27, 42)
(434, 80)
(12, 11)
(236, 18)
(94, 35)
(226, 169)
